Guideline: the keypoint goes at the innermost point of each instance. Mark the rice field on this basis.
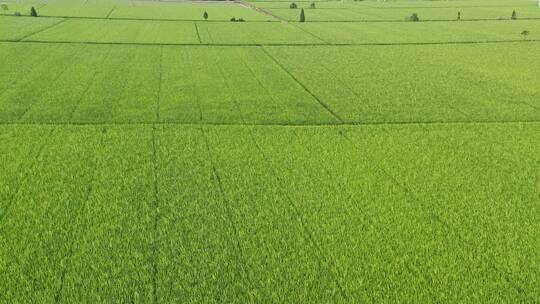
(150, 156)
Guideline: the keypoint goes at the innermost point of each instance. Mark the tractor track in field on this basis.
(21, 39)
(321, 103)
(88, 194)
(157, 215)
(305, 227)
(228, 208)
(54, 81)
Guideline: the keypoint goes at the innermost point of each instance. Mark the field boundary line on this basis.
(416, 198)
(138, 19)
(31, 167)
(296, 24)
(158, 99)
(277, 124)
(40, 30)
(197, 30)
(278, 19)
(110, 12)
(309, 233)
(155, 203)
(407, 21)
(368, 44)
(324, 105)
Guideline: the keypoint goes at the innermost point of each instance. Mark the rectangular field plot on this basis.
(16, 28)
(229, 213)
(232, 85)
(422, 32)
(115, 83)
(188, 11)
(420, 83)
(401, 14)
(253, 33)
(120, 31)
(76, 10)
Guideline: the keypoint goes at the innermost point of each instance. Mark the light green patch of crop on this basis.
(418, 83)
(16, 28)
(421, 32)
(75, 10)
(188, 11)
(120, 31)
(253, 33)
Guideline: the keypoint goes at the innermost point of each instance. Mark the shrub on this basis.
(525, 34)
(312, 5)
(414, 17)
(205, 15)
(458, 15)
(514, 15)
(233, 19)
(302, 16)
(293, 5)
(240, 20)
(33, 12)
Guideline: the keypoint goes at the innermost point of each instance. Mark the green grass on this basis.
(182, 161)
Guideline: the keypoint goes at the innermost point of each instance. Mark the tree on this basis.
(293, 5)
(205, 15)
(514, 15)
(525, 34)
(33, 12)
(458, 15)
(414, 17)
(302, 16)
(4, 7)
(312, 5)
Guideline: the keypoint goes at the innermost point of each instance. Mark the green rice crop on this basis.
(148, 156)
(369, 212)
(12, 28)
(191, 11)
(119, 31)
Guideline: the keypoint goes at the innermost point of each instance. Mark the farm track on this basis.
(270, 124)
(274, 44)
(276, 21)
